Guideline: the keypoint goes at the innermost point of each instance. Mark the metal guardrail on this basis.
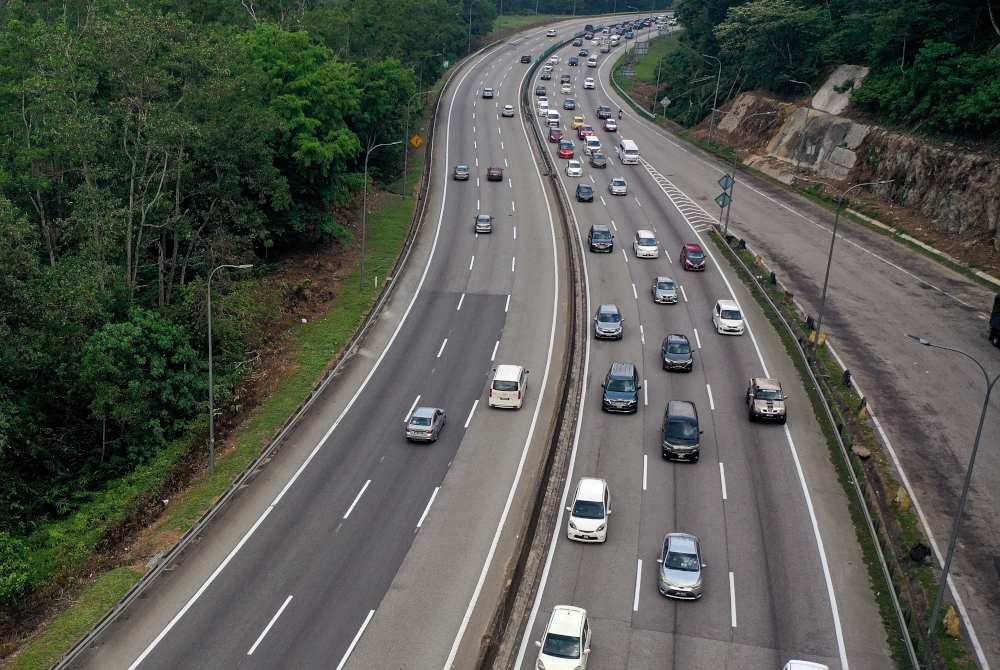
(856, 487)
(348, 352)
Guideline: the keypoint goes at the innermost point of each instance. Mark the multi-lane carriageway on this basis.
(352, 548)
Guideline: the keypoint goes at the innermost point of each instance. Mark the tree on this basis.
(388, 87)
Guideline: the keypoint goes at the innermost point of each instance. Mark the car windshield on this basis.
(696, 254)
(731, 314)
(483, 218)
(769, 394)
(598, 158)
(420, 421)
(588, 509)
(565, 145)
(678, 561)
(561, 646)
(608, 317)
(664, 285)
(461, 168)
(678, 348)
(601, 234)
(621, 386)
(501, 385)
(647, 241)
(685, 430)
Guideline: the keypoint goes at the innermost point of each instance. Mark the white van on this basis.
(592, 61)
(591, 145)
(508, 386)
(543, 109)
(553, 118)
(588, 515)
(615, 40)
(628, 152)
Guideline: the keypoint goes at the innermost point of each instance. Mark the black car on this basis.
(601, 238)
(680, 432)
(603, 112)
(578, 42)
(573, 61)
(565, 79)
(584, 193)
(545, 76)
(569, 103)
(598, 160)
(621, 389)
(583, 52)
(525, 59)
(588, 36)
(676, 353)
(539, 90)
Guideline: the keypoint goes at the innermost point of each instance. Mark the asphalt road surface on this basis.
(763, 499)
(927, 401)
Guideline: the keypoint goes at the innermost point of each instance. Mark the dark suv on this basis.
(680, 433)
(693, 257)
(526, 59)
(621, 389)
(676, 353)
(601, 238)
(603, 112)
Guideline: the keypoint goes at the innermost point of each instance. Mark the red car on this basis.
(583, 131)
(692, 257)
(555, 134)
(566, 148)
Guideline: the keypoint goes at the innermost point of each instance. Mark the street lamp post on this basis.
(406, 135)
(364, 209)
(725, 227)
(802, 137)
(957, 521)
(841, 201)
(211, 394)
(715, 99)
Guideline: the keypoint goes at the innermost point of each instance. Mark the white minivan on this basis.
(588, 515)
(543, 109)
(628, 152)
(553, 118)
(591, 145)
(508, 386)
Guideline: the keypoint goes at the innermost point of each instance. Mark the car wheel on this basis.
(696, 458)
(995, 339)
(782, 419)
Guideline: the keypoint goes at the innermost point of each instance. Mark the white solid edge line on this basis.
(645, 392)
(711, 400)
(428, 508)
(642, 331)
(513, 263)
(472, 411)
(556, 531)
(270, 623)
(357, 498)
(638, 578)
(410, 411)
(645, 463)
(732, 598)
(821, 549)
(441, 350)
(534, 419)
(354, 642)
(722, 478)
(371, 373)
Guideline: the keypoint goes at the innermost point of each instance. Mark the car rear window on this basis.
(501, 385)
(683, 429)
(420, 421)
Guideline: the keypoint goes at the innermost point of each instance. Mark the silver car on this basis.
(618, 186)
(425, 424)
(680, 567)
(484, 223)
(608, 323)
(664, 291)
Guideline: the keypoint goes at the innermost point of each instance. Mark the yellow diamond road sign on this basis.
(416, 141)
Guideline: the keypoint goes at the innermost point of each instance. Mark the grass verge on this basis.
(521, 21)
(313, 345)
(897, 526)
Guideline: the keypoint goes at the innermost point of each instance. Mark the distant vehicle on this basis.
(676, 353)
(621, 389)
(566, 149)
(591, 145)
(680, 567)
(566, 88)
(578, 42)
(598, 160)
(645, 244)
(583, 131)
(588, 515)
(545, 75)
(578, 121)
(566, 642)
(600, 238)
(588, 83)
(553, 60)
(592, 61)
(526, 58)
(664, 291)
(801, 665)
(692, 257)
(551, 32)
(574, 169)
(608, 323)
(573, 61)
(584, 193)
(995, 322)
(494, 173)
(508, 111)
(555, 135)
(603, 112)
(425, 424)
(680, 432)
(584, 53)
(766, 400)
(484, 223)
(461, 172)
(610, 125)
(589, 28)
(569, 103)
(727, 318)
(565, 79)
(487, 92)
(539, 90)
(618, 186)
(629, 35)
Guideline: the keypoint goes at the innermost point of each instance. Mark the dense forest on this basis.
(935, 64)
(142, 144)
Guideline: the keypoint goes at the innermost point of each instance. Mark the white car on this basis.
(551, 32)
(554, 60)
(566, 89)
(588, 82)
(508, 110)
(588, 515)
(727, 318)
(574, 169)
(610, 125)
(592, 61)
(566, 642)
(645, 245)
(591, 145)
(618, 186)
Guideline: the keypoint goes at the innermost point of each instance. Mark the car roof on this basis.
(642, 232)
(591, 488)
(681, 409)
(608, 307)
(765, 383)
(660, 278)
(508, 372)
(622, 369)
(728, 304)
(676, 337)
(683, 542)
(483, 216)
(692, 246)
(462, 165)
(600, 226)
(567, 620)
(573, 160)
(426, 412)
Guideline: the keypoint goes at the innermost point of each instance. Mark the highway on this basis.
(763, 499)
(295, 568)
(927, 402)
